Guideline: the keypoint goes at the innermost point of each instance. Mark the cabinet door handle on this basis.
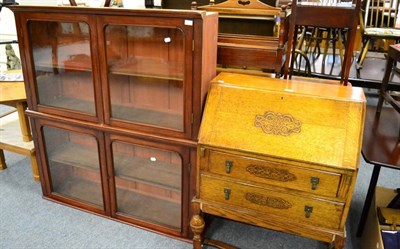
(228, 165)
(314, 182)
(308, 211)
(227, 192)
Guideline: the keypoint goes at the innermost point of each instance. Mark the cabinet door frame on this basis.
(23, 19)
(187, 27)
(48, 193)
(184, 153)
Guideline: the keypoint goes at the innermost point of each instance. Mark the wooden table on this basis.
(15, 132)
(381, 147)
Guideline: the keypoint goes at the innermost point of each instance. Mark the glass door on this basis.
(73, 164)
(63, 71)
(148, 183)
(147, 73)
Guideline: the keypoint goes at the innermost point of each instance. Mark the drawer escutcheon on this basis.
(262, 200)
(281, 175)
(308, 211)
(314, 182)
(227, 192)
(228, 165)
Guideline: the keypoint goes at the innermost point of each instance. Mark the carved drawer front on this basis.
(290, 207)
(265, 172)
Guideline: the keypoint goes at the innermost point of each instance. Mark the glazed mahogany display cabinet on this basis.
(115, 97)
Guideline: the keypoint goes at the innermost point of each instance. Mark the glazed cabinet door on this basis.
(148, 182)
(59, 51)
(74, 165)
(147, 77)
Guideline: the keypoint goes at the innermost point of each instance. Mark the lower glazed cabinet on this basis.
(279, 154)
(134, 180)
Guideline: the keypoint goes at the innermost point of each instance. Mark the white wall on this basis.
(8, 29)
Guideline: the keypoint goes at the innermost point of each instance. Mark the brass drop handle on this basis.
(308, 211)
(314, 182)
(228, 165)
(227, 192)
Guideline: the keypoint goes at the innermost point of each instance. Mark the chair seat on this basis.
(384, 32)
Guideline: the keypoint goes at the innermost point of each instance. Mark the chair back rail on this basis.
(381, 13)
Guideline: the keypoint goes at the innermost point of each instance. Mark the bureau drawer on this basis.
(249, 169)
(296, 209)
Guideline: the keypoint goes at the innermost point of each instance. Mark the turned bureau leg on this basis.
(337, 243)
(197, 226)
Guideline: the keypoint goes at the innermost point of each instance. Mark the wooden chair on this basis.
(378, 22)
(252, 36)
(327, 15)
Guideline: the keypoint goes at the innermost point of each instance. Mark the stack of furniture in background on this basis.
(115, 97)
(378, 20)
(252, 36)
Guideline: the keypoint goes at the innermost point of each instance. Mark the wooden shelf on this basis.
(137, 115)
(76, 155)
(168, 70)
(73, 186)
(150, 209)
(167, 176)
(148, 116)
(79, 62)
(72, 104)
(164, 175)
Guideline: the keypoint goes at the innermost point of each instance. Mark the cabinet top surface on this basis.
(302, 86)
(288, 119)
(112, 11)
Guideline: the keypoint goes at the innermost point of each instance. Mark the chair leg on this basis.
(363, 54)
(328, 36)
(2, 160)
(340, 41)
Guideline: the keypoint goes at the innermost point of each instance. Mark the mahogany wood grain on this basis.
(381, 148)
(251, 36)
(381, 144)
(97, 79)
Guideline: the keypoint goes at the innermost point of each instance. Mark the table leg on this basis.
(385, 82)
(368, 199)
(2, 160)
(23, 122)
(34, 164)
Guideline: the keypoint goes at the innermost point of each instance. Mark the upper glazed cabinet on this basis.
(132, 70)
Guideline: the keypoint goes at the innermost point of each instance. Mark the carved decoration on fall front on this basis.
(277, 123)
(262, 200)
(281, 175)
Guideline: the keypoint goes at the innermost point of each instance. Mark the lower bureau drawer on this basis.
(293, 208)
(249, 169)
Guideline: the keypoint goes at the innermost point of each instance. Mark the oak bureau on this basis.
(279, 154)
